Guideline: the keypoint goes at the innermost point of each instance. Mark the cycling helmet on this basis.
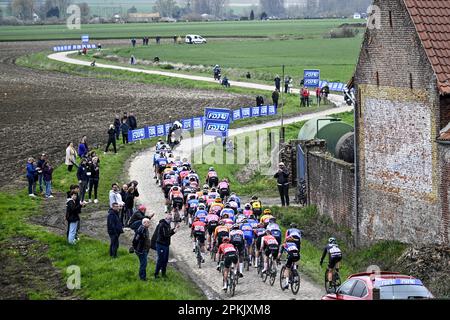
(202, 206)
(267, 211)
(225, 239)
(225, 216)
(211, 168)
(268, 231)
(175, 168)
(221, 222)
(235, 226)
(260, 225)
(218, 200)
(252, 216)
(205, 187)
(273, 220)
(227, 205)
(213, 190)
(248, 206)
(196, 219)
(191, 196)
(293, 225)
(332, 240)
(175, 187)
(255, 198)
(240, 210)
(244, 220)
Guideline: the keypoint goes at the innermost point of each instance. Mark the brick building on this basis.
(402, 83)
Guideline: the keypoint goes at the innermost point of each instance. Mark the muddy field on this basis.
(41, 111)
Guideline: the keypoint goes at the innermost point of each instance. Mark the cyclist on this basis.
(227, 221)
(235, 198)
(221, 231)
(295, 233)
(229, 254)
(186, 163)
(248, 209)
(253, 221)
(201, 213)
(193, 183)
(256, 206)
(168, 183)
(224, 188)
(176, 198)
(159, 144)
(216, 206)
(267, 215)
(270, 247)
(171, 158)
(237, 239)
(212, 221)
(260, 232)
(155, 157)
(290, 247)
(193, 174)
(334, 257)
(160, 164)
(198, 232)
(247, 229)
(240, 216)
(184, 173)
(203, 194)
(191, 207)
(227, 210)
(274, 229)
(211, 178)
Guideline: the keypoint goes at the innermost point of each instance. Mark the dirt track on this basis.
(42, 111)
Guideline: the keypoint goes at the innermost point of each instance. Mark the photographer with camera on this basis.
(282, 177)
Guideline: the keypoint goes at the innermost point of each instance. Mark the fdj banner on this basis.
(311, 78)
(137, 135)
(217, 122)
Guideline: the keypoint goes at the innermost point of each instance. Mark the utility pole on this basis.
(282, 110)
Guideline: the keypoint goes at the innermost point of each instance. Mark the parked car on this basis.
(194, 39)
(380, 286)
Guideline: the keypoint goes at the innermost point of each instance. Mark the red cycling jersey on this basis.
(225, 248)
(268, 240)
(199, 226)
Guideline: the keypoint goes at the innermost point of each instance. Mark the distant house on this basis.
(117, 18)
(356, 15)
(35, 17)
(143, 17)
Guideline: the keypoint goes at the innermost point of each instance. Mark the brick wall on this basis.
(445, 111)
(398, 119)
(331, 187)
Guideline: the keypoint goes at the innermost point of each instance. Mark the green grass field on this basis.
(276, 29)
(336, 58)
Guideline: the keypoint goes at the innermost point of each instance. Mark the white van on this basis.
(194, 39)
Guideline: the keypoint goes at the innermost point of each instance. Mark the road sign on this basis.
(85, 38)
(311, 78)
(217, 122)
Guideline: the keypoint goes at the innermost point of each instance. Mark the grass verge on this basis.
(101, 277)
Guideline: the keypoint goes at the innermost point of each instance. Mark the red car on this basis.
(382, 285)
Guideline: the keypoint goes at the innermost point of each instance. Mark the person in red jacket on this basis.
(230, 256)
(305, 94)
(318, 97)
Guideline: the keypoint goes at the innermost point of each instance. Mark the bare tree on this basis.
(23, 9)
(272, 7)
(166, 8)
(84, 9)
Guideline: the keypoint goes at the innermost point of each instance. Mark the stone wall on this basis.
(331, 187)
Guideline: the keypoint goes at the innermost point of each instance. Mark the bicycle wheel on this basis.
(336, 281)
(282, 277)
(273, 273)
(231, 283)
(295, 281)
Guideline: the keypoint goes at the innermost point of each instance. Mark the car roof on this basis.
(379, 277)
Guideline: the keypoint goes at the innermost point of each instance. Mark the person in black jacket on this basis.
(117, 126)
(282, 177)
(83, 178)
(137, 217)
(124, 128)
(72, 216)
(111, 138)
(94, 177)
(141, 246)
(161, 242)
(132, 121)
(115, 229)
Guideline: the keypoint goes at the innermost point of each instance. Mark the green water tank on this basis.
(309, 129)
(332, 132)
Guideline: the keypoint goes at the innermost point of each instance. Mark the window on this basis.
(396, 292)
(359, 290)
(346, 288)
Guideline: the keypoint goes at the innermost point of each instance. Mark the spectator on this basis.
(318, 97)
(161, 242)
(71, 156)
(286, 84)
(31, 173)
(75, 188)
(111, 139)
(125, 117)
(124, 195)
(124, 128)
(133, 42)
(114, 195)
(115, 229)
(83, 147)
(158, 40)
(248, 75)
(306, 96)
(132, 60)
(47, 172)
(138, 216)
(175, 39)
(277, 82)
(141, 246)
(129, 204)
(99, 46)
(72, 217)
(84, 50)
(40, 166)
(132, 121)
(143, 41)
(282, 177)
(134, 184)
(275, 97)
(83, 178)
(94, 177)
(117, 126)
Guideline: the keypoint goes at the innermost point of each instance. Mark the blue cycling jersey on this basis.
(289, 247)
(247, 229)
(201, 214)
(253, 223)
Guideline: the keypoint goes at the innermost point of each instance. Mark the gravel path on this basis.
(250, 287)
